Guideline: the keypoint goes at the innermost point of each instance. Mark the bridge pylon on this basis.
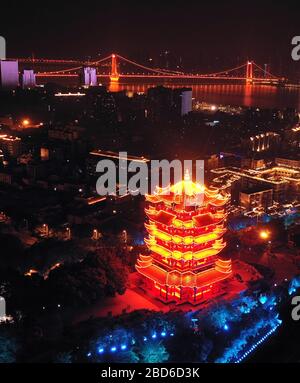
(114, 75)
(249, 72)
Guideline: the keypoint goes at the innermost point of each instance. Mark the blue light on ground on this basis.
(258, 343)
(124, 347)
(263, 299)
(292, 291)
(226, 327)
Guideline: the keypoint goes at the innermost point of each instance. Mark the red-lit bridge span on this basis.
(249, 72)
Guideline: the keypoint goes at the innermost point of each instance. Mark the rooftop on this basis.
(256, 189)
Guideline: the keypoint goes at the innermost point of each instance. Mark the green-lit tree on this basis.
(153, 352)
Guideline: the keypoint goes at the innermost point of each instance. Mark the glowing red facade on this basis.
(185, 238)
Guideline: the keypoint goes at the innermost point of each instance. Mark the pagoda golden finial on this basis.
(187, 175)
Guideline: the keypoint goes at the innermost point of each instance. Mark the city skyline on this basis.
(191, 33)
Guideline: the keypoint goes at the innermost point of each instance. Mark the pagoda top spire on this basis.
(187, 175)
(186, 187)
(187, 191)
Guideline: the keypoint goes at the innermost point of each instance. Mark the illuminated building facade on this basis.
(284, 181)
(264, 142)
(9, 74)
(293, 163)
(28, 79)
(88, 76)
(182, 101)
(256, 197)
(11, 146)
(185, 238)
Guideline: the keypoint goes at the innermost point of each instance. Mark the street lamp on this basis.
(124, 234)
(25, 122)
(46, 229)
(96, 235)
(68, 233)
(264, 234)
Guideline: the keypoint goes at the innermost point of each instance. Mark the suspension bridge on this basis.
(115, 67)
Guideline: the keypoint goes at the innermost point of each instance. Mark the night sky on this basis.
(199, 32)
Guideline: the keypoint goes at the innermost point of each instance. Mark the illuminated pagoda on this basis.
(185, 238)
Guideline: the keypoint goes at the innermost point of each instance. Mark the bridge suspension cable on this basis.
(265, 71)
(170, 73)
(224, 71)
(79, 67)
(158, 72)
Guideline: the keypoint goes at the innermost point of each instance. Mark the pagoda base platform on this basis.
(227, 289)
(211, 287)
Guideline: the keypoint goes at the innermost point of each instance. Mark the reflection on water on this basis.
(262, 96)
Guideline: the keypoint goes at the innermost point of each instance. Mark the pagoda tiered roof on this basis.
(187, 193)
(214, 249)
(186, 239)
(165, 218)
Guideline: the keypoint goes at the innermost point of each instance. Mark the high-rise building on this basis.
(159, 103)
(186, 228)
(88, 76)
(9, 74)
(183, 101)
(165, 103)
(263, 142)
(28, 79)
(256, 197)
(44, 154)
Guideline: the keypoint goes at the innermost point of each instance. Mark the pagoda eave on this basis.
(191, 280)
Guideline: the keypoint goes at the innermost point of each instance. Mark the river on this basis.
(262, 96)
